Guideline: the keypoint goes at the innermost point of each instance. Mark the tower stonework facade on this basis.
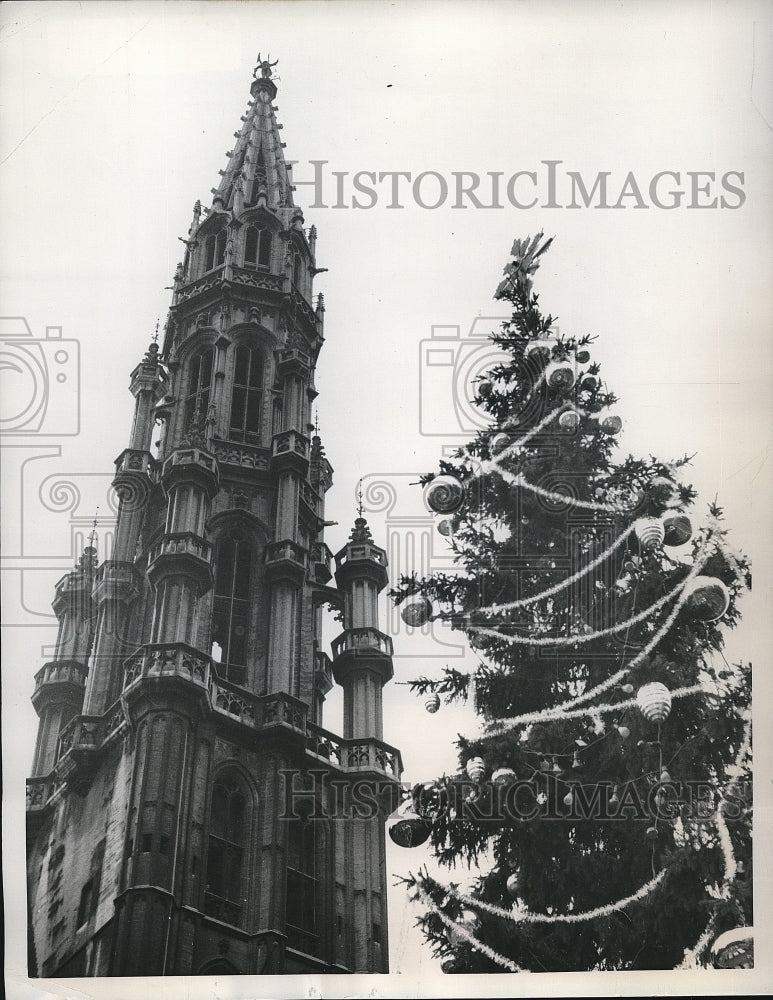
(187, 814)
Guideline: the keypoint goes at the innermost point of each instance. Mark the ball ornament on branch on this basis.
(512, 885)
(662, 492)
(499, 443)
(432, 703)
(538, 350)
(559, 375)
(677, 528)
(707, 598)
(612, 425)
(652, 833)
(503, 776)
(444, 494)
(445, 528)
(569, 421)
(654, 701)
(468, 921)
(416, 611)
(650, 533)
(407, 828)
(475, 769)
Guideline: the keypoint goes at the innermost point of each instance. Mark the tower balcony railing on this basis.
(247, 456)
(135, 460)
(258, 279)
(367, 754)
(191, 456)
(182, 543)
(115, 580)
(61, 672)
(290, 442)
(259, 711)
(39, 791)
(203, 284)
(168, 659)
(362, 550)
(322, 556)
(288, 550)
(362, 641)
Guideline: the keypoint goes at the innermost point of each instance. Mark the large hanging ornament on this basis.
(407, 828)
(444, 494)
(663, 492)
(677, 528)
(432, 704)
(654, 701)
(650, 532)
(475, 769)
(429, 799)
(445, 527)
(559, 375)
(512, 885)
(499, 443)
(612, 425)
(485, 388)
(734, 949)
(503, 776)
(468, 920)
(416, 611)
(569, 421)
(652, 833)
(583, 357)
(539, 349)
(707, 598)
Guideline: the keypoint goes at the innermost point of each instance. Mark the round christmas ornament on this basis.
(429, 799)
(432, 704)
(469, 921)
(569, 421)
(407, 828)
(652, 833)
(654, 701)
(569, 799)
(650, 532)
(734, 949)
(612, 425)
(583, 357)
(444, 494)
(707, 598)
(662, 492)
(499, 443)
(665, 777)
(559, 375)
(485, 388)
(677, 529)
(503, 776)
(475, 769)
(416, 611)
(539, 350)
(624, 732)
(512, 885)
(627, 688)
(445, 528)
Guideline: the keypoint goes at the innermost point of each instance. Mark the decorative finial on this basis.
(265, 67)
(316, 423)
(155, 335)
(359, 499)
(93, 535)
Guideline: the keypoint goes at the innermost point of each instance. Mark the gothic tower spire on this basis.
(178, 824)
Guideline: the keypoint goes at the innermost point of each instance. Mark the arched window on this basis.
(228, 842)
(257, 248)
(220, 243)
(301, 912)
(209, 252)
(199, 384)
(297, 270)
(230, 611)
(247, 394)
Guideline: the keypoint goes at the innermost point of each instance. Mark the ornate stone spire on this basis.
(256, 171)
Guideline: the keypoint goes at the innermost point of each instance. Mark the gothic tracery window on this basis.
(246, 398)
(214, 250)
(199, 384)
(301, 913)
(257, 248)
(227, 849)
(230, 612)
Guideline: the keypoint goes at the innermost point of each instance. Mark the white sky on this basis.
(116, 117)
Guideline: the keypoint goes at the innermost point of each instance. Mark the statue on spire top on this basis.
(265, 67)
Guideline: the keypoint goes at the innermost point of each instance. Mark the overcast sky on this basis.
(116, 118)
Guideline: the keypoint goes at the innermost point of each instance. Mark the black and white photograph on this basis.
(386, 537)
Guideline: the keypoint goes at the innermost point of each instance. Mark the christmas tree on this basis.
(605, 804)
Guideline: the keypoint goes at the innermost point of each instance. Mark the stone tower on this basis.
(187, 813)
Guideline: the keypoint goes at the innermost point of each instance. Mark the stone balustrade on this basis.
(354, 754)
(362, 641)
(61, 672)
(354, 552)
(182, 543)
